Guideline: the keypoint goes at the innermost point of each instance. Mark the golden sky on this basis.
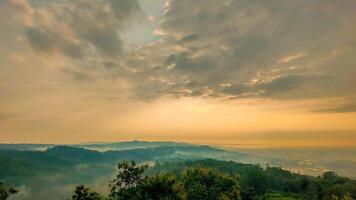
(236, 72)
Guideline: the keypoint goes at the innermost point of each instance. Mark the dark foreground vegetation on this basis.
(271, 183)
(219, 180)
(193, 183)
(213, 180)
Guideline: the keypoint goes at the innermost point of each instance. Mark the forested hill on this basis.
(271, 182)
(18, 166)
(57, 170)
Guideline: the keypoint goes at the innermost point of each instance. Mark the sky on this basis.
(241, 72)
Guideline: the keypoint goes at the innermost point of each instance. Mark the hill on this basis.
(18, 165)
(58, 169)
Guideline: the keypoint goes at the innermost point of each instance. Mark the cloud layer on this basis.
(229, 49)
(238, 49)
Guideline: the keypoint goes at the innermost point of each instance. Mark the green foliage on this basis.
(6, 192)
(279, 196)
(161, 187)
(192, 184)
(332, 186)
(67, 165)
(21, 166)
(207, 183)
(220, 180)
(131, 183)
(83, 193)
(128, 180)
(257, 183)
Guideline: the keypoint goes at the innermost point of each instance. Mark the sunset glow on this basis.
(270, 73)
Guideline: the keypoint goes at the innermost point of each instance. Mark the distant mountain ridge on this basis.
(25, 146)
(100, 146)
(135, 144)
(62, 157)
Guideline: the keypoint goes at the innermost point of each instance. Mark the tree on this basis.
(160, 187)
(130, 176)
(83, 193)
(209, 184)
(6, 192)
(194, 184)
(256, 183)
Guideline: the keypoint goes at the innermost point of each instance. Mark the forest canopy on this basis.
(211, 180)
(217, 180)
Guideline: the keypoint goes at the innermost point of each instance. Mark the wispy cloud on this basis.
(345, 108)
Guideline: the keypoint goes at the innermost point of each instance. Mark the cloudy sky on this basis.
(224, 72)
